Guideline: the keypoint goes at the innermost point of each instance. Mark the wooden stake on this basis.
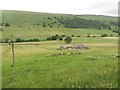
(12, 42)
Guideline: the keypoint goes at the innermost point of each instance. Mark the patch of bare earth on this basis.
(102, 44)
(114, 38)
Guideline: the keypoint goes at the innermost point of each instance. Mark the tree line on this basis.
(83, 23)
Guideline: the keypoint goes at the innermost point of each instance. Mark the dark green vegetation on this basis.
(96, 67)
(68, 40)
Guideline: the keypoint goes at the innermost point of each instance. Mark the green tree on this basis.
(44, 25)
(88, 35)
(7, 24)
(68, 40)
(104, 35)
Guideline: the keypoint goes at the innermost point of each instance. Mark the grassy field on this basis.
(43, 33)
(41, 66)
(34, 68)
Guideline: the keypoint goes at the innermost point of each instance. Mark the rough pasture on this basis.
(35, 69)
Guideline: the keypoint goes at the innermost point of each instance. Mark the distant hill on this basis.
(24, 19)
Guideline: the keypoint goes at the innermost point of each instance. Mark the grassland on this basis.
(96, 67)
(43, 33)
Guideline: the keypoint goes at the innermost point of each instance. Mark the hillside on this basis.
(25, 25)
(23, 18)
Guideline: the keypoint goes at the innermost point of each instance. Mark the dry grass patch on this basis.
(114, 38)
(102, 44)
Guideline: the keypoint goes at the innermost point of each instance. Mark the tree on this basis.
(63, 35)
(7, 24)
(104, 35)
(18, 39)
(88, 35)
(51, 26)
(44, 25)
(68, 40)
(56, 35)
(72, 35)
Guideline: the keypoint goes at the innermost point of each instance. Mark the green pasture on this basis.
(95, 67)
(43, 33)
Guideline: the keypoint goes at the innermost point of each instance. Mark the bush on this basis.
(78, 36)
(44, 25)
(49, 18)
(48, 38)
(72, 36)
(60, 38)
(7, 24)
(56, 35)
(28, 40)
(104, 35)
(88, 35)
(111, 35)
(63, 35)
(109, 28)
(51, 26)
(18, 40)
(68, 40)
(53, 38)
(33, 40)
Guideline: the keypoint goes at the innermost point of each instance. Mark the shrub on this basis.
(72, 35)
(56, 35)
(104, 35)
(48, 38)
(27, 40)
(78, 36)
(88, 35)
(18, 40)
(60, 38)
(49, 18)
(63, 35)
(111, 35)
(109, 28)
(51, 26)
(55, 17)
(44, 25)
(7, 24)
(68, 40)
(33, 40)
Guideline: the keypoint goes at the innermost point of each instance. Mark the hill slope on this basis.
(23, 24)
(22, 18)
